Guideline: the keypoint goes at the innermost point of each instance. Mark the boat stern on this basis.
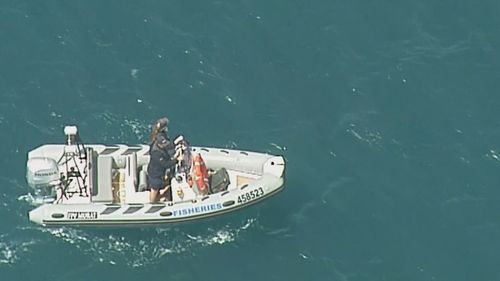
(36, 215)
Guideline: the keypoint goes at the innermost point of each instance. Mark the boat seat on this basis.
(131, 182)
(143, 179)
(103, 189)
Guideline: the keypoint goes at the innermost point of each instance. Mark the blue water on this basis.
(386, 112)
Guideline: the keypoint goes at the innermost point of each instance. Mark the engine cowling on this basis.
(42, 175)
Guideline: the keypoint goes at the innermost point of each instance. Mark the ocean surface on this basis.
(387, 113)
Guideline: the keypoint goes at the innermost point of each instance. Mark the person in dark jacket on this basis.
(161, 162)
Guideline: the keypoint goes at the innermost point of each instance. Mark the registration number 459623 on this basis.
(250, 195)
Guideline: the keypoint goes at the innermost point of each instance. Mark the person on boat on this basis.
(161, 162)
(182, 155)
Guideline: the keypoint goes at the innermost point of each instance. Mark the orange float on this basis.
(199, 173)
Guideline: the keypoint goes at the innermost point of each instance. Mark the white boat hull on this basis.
(254, 177)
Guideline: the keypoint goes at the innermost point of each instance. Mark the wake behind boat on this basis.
(96, 184)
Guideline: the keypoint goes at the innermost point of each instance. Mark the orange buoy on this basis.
(199, 173)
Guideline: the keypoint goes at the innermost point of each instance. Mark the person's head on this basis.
(158, 126)
(179, 140)
(161, 124)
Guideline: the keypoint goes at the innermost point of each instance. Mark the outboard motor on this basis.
(43, 177)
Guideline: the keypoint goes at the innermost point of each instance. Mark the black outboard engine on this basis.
(43, 177)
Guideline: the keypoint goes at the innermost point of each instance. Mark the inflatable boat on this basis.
(95, 184)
